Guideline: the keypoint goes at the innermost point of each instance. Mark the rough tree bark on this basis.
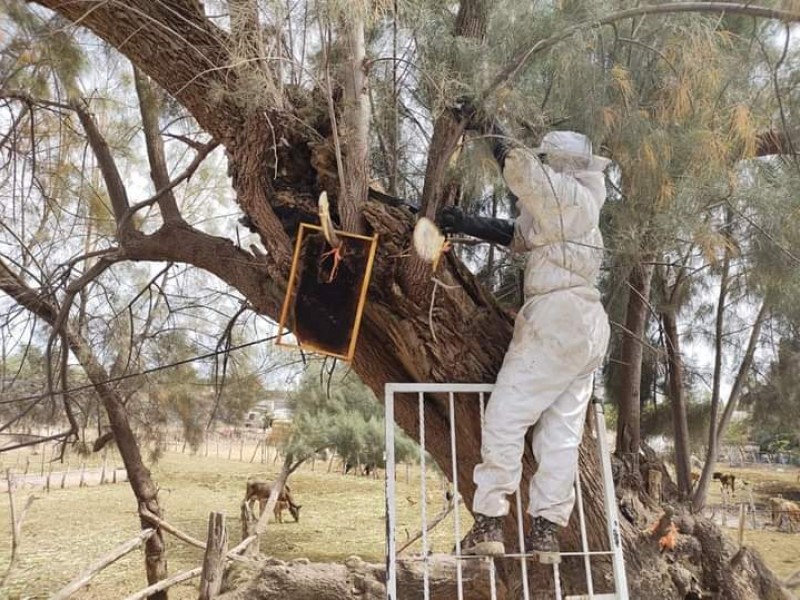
(190, 58)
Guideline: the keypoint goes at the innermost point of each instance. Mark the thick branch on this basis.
(108, 167)
(149, 108)
(356, 127)
(180, 243)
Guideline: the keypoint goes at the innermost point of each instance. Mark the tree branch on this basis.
(355, 120)
(167, 29)
(185, 537)
(202, 153)
(522, 56)
(149, 108)
(108, 167)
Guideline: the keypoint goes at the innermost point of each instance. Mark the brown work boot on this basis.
(485, 538)
(542, 541)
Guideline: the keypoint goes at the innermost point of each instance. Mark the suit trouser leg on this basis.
(556, 441)
(529, 382)
(559, 340)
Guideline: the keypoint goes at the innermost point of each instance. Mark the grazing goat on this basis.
(728, 480)
(260, 490)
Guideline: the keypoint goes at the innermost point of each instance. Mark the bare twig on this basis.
(16, 525)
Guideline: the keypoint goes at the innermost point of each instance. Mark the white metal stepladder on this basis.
(480, 391)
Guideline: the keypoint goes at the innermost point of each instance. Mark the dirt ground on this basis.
(66, 530)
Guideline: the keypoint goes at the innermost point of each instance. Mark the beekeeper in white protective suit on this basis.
(560, 335)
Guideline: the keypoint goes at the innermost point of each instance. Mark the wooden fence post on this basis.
(214, 559)
(103, 468)
(241, 448)
(49, 475)
(330, 462)
(82, 482)
(64, 476)
(741, 523)
(258, 445)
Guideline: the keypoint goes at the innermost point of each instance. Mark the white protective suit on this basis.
(560, 333)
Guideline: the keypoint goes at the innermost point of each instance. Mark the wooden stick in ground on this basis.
(84, 578)
(16, 525)
(214, 559)
(165, 583)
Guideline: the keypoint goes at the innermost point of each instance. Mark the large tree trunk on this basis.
(629, 438)
(677, 398)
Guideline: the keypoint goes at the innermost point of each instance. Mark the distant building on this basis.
(274, 406)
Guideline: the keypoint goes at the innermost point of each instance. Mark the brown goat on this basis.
(260, 490)
(727, 480)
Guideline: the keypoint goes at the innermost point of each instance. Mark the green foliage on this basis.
(337, 411)
(657, 420)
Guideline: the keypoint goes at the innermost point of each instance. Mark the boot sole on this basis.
(485, 549)
(547, 558)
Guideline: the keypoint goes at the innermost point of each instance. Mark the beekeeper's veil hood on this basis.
(570, 149)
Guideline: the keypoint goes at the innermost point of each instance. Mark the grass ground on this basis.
(66, 530)
(780, 550)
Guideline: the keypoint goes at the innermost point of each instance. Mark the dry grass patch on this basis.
(342, 515)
